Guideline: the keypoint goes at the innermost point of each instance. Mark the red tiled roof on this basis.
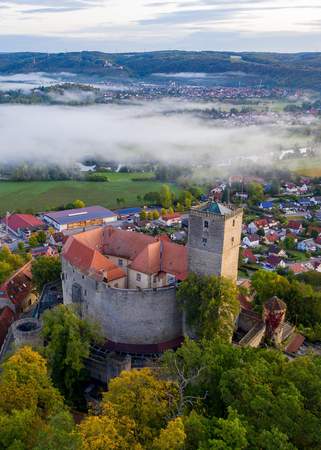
(23, 221)
(148, 254)
(18, 286)
(294, 225)
(90, 260)
(174, 259)
(295, 343)
(148, 261)
(272, 237)
(298, 268)
(171, 216)
(126, 244)
(273, 260)
(247, 253)
(245, 302)
(261, 223)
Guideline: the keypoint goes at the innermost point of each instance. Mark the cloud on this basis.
(138, 25)
(143, 131)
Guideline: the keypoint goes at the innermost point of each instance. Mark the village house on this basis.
(277, 251)
(307, 245)
(172, 219)
(252, 240)
(22, 225)
(275, 262)
(44, 250)
(295, 227)
(271, 237)
(298, 268)
(18, 290)
(266, 205)
(248, 256)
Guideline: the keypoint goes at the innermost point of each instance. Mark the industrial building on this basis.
(81, 218)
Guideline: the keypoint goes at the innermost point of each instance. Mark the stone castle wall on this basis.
(125, 315)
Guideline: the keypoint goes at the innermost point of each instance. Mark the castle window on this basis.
(233, 222)
(138, 277)
(204, 241)
(232, 240)
(120, 262)
(205, 223)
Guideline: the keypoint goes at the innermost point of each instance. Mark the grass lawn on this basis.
(45, 195)
(297, 255)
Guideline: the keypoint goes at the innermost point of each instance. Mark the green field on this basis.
(45, 195)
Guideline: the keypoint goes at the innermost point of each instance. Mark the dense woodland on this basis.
(300, 70)
(207, 395)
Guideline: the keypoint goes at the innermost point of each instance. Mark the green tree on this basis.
(256, 193)
(109, 431)
(230, 433)
(44, 270)
(78, 204)
(211, 305)
(68, 341)
(275, 187)
(172, 437)
(32, 411)
(143, 214)
(143, 398)
(152, 198)
(42, 237)
(166, 196)
(289, 243)
(155, 214)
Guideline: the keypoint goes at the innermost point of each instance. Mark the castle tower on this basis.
(274, 311)
(214, 240)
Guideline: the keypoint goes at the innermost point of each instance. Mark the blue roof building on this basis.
(266, 205)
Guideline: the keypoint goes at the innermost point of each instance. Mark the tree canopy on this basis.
(67, 340)
(32, 411)
(211, 305)
(45, 269)
(303, 300)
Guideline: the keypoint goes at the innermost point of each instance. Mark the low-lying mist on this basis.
(129, 133)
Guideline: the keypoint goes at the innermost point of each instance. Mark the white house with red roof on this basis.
(23, 224)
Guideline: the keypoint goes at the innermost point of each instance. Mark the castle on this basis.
(126, 281)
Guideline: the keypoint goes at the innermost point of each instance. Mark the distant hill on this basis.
(300, 70)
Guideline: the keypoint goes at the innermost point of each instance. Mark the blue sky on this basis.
(139, 25)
